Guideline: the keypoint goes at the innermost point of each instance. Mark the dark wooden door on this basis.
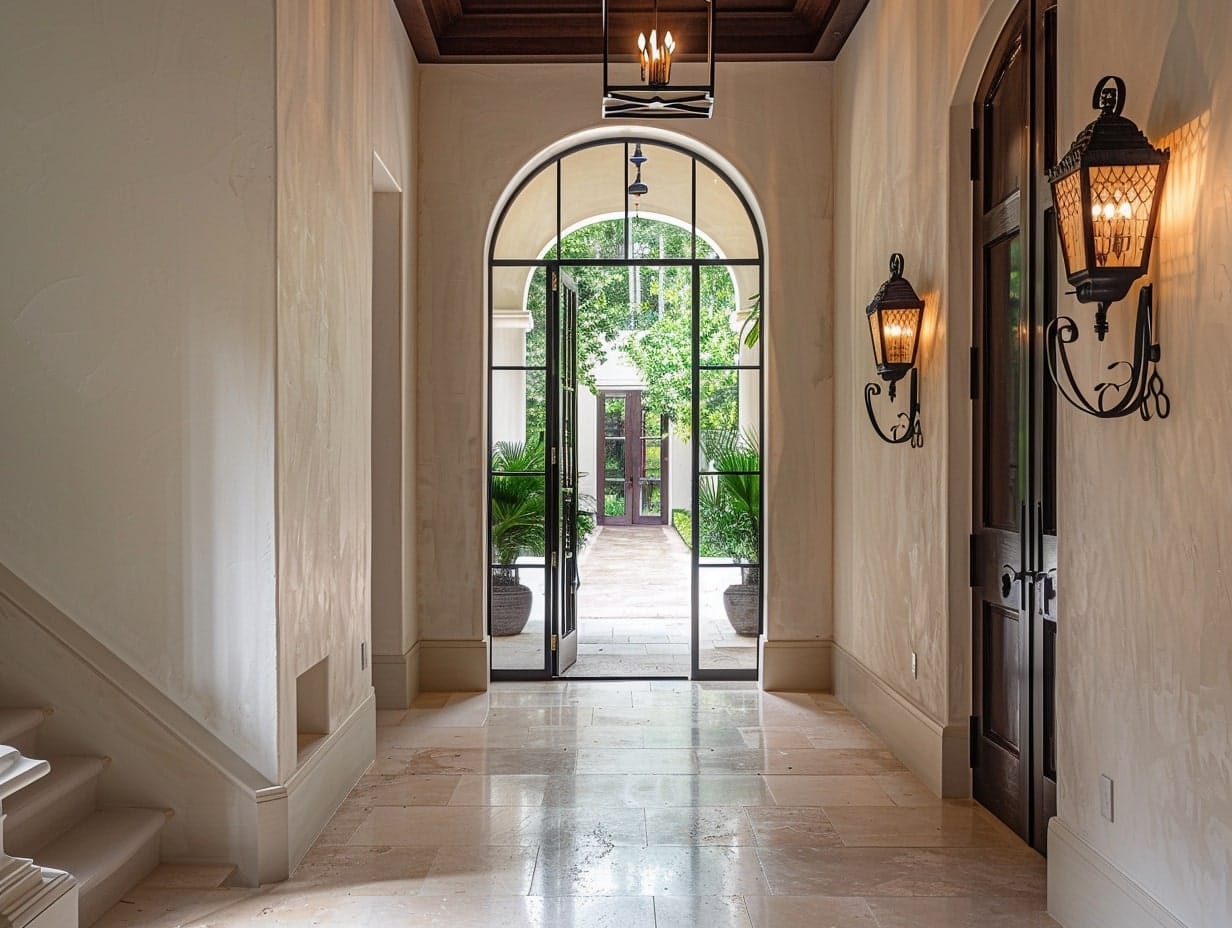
(1014, 538)
(632, 459)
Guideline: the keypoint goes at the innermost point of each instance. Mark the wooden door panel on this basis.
(1014, 536)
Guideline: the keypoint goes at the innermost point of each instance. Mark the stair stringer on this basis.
(226, 812)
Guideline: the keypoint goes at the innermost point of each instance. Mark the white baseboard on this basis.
(395, 678)
(1086, 890)
(938, 754)
(318, 786)
(799, 666)
(453, 666)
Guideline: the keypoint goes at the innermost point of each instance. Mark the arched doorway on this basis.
(625, 394)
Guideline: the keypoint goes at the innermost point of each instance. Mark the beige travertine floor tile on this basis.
(960, 913)
(163, 907)
(802, 825)
(659, 736)
(906, 789)
(481, 871)
(660, 804)
(700, 826)
(636, 760)
(494, 761)
(589, 736)
(866, 871)
(809, 912)
(701, 912)
(379, 870)
(649, 871)
(389, 716)
(404, 789)
(433, 826)
(346, 820)
(857, 790)
(949, 824)
(776, 738)
(526, 789)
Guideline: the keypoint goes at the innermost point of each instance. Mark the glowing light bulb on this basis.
(1126, 210)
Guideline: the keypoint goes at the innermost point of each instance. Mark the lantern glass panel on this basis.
(874, 331)
(1121, 201)
(1067, 195)
(899, 328)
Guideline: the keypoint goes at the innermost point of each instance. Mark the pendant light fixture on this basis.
(655, 97)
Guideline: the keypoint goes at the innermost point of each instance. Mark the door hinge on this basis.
(974, 741)
(973, 561)
(975, 153)
(553, 558)
(553, 643)
(975, 373)
(553, 454)
(555, 282)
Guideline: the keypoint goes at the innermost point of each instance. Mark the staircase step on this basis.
(109, 852)
(49, 807)
(19, 728)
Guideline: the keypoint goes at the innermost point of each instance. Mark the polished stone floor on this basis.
(632, 805)
(634, 608)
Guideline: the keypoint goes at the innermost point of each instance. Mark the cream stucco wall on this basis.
(1145, 652)
(345, 93)
(1145, 646)
(137, 340)
(478, 129)
(893, 503)
(187, 269)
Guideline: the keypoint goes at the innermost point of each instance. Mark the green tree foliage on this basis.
(648, 313)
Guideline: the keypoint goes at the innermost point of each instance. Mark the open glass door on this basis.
(565, 566)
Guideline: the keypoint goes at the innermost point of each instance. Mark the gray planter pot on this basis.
(742, 602)
(511, 604)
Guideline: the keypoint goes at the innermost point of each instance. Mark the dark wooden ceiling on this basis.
(572, 30)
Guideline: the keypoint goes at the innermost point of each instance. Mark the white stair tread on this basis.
(16, 722)
(67, 773)
(101, 843)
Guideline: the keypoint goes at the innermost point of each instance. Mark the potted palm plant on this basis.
(518, 500)
(729, 511)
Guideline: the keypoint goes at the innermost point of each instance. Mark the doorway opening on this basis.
(625, 420)
(1014, 536)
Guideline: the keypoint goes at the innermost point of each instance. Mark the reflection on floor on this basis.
(633, 611)
(638, 805)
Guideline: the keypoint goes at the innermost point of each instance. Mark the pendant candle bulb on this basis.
(656, 59)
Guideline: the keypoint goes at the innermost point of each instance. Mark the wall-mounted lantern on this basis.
(895, 317)
(1106, 193)
(655, 97)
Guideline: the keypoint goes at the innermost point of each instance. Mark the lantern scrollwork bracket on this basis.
(907, 428)
(1132, 386)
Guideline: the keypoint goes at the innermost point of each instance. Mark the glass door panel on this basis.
(613, 465)
(652, 451)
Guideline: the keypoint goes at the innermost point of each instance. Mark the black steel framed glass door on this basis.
(564, 566)
(606, 289)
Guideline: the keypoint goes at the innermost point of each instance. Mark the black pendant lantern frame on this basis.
(895, 319)
(1106, 194)
(658, 101)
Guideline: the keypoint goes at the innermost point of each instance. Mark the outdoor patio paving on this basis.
(633, 611)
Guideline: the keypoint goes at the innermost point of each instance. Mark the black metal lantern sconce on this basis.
(895, 317)
(1106, 193)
